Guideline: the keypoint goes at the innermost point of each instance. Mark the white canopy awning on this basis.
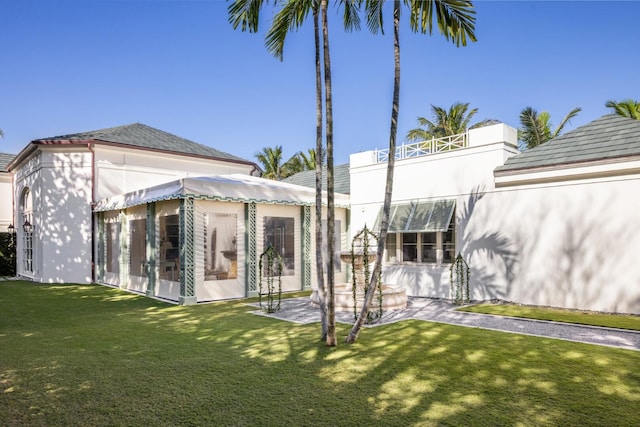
(230, 188)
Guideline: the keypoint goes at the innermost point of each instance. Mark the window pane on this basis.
(113, 247)
(278, 232)
(429, 247)
(169, 248)
(410, 247)
(449, 242)
(138, 247)
(221, 255)
(391, 248)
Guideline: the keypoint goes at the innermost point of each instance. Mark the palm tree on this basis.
(456, 21)
(293, 13)
(625, 108)
(308, 160)
(271, 160)
(535, 129)
(445, 122)
(301, 161)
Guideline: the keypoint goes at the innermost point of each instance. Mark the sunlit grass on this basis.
(82, 355)
(620, 321)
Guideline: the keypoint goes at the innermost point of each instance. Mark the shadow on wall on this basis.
(492, 279)
(588, 262)
(65, 219)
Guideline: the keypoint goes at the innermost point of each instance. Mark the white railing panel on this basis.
(424, 148)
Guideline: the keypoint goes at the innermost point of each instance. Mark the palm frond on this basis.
(375, 21)
(351, 14)
(564, 121)
(290, 17)
(455, 18)
(530, 132)
(625, 108)
(246, 14)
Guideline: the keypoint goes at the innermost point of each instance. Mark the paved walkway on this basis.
(301, 310)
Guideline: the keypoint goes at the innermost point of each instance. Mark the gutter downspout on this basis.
(92, 206)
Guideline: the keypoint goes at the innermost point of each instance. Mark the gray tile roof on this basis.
(341, 177)
(609, 137)
(5, 159)
(143, 136)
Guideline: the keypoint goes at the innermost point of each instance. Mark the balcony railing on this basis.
(424, 148)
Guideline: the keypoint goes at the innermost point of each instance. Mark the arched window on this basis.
(26, 208)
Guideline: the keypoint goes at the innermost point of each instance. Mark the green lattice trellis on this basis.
(187, 256)
(306, 251)
(251, 248)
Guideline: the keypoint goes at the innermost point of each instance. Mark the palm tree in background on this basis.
(271, 161)
(535, 129)
(625, 108)
(308, 160)
(456, 22)
(302, 161)
(445, 122)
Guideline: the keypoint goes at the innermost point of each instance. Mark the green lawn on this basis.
(93, 356)
(559, 315)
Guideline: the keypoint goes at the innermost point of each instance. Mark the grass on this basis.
(619, 321)
(92, 355)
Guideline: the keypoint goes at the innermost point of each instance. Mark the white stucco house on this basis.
(147, 211)
(153, 213)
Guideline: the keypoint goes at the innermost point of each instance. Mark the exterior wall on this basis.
(566, 244)
(543, 239)
(6, 201)
(60, 178)
(120, 170)
(60, 185)
(449, 175)
(454, 174)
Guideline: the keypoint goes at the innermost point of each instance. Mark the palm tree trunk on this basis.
(331, 305)
(318, 167)
(386, 208)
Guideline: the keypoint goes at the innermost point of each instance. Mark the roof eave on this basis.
(32, 146)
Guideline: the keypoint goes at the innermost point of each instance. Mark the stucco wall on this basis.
(59, 182)
(571, 244)
(120, 171)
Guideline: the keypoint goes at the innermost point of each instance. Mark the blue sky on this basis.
(74, 66)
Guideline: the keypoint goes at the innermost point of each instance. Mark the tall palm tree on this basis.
(445, 122)
(456, 21)
(245, 13)
(625, 108)
(535, 129)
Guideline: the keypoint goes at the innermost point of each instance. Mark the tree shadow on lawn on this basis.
(132, 361)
